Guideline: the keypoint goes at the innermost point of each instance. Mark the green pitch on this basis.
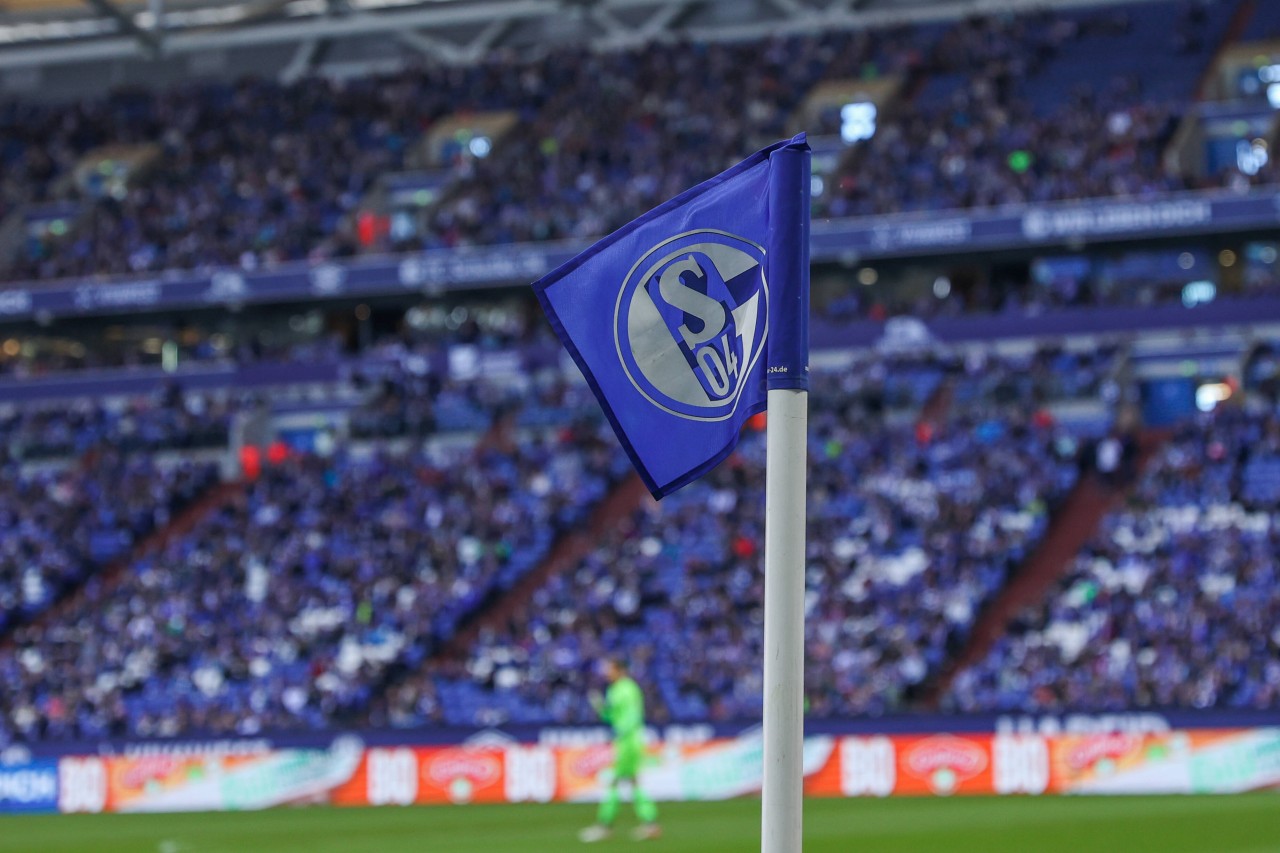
(1242, 824)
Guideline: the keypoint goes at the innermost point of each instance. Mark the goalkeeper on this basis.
(623, 709)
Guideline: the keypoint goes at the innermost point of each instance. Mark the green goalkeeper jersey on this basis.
(624, 708)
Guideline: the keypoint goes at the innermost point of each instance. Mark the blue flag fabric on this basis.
(683, 319)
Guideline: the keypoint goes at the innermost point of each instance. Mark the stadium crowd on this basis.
(171, 420)
(61, 525)
(912, 527)
(1176, 603)
(255, 173)
(315, 594)
(286, 605)
(598, 152)
(247, 174)
(1007, 116)
(318, 593)
(80, 484)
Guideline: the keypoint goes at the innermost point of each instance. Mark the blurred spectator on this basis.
(255, 173)
(287, 606)
(909, 534)
(1175, 603)
(174, 421)
(63, 524)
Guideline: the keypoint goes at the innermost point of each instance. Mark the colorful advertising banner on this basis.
(218, 782)
(714, 770)
(1151, 763)
(348, 773)
(402, 776)
(1228, 762)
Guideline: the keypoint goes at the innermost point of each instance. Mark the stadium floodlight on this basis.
(857, 121)
(685, 323)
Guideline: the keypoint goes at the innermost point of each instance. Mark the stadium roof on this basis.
(42, 33)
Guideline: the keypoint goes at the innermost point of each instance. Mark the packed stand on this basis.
(910, 531)
(598, 150)
(81, 484)
(289, 604)
(1001, 110)
(63, 524)
(1175, 603)
(172, 420)
(1027, 378)
(40, 144)
(418, 382)
(1041, 375)
(247, 174)
(419, 402)
(1011, 109)
(1036, 108)
(256, 173)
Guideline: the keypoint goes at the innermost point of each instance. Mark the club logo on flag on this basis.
(691, 321)
(667, 317)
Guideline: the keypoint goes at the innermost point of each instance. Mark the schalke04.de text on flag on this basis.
(684, 318)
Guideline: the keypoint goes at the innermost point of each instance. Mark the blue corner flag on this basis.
(682, 319)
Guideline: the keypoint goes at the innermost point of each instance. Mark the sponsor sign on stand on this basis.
(15, 303)
(29, 787)
(438, 271)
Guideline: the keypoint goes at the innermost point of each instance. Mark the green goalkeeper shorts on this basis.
(627, 754)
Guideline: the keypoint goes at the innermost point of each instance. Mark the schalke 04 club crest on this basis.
(691, 320)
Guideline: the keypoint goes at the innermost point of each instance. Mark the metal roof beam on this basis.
(791, 7)
(301, 63)
(662, 19)
(613, 28)
(488, 38)
(499, 15)
(430, 46)
(149, 41)
(277, 32)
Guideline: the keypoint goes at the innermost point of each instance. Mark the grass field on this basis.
(1241, 824)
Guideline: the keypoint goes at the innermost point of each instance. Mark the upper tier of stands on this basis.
(1088, 100)
(255, 173)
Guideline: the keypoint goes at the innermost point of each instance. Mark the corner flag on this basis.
(686, 322)
(683, 319)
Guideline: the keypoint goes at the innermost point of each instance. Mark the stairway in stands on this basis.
(622, 500)
(99, 586)
(1073, 525)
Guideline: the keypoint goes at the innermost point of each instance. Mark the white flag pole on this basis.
(786, 469)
